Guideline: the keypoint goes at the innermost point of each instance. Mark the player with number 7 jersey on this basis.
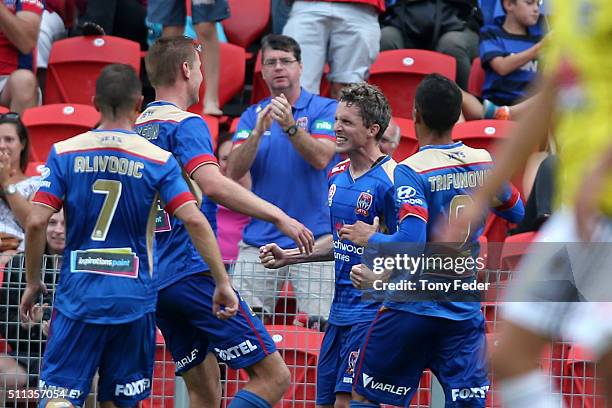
(108, 181)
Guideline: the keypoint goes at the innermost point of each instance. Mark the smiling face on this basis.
(10, 143)
(351, 133)
(280, 70)
(56, 233)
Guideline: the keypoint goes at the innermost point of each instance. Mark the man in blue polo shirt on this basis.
(286, 141)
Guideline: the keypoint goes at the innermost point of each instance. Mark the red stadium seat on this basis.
(49, 124)
(398, 72)
(231, 76)
(75, 63)
(299, 347)
(247, 22)
(234, 125)
(408, 141)
(213, 126)
(482, 134)
(486, 134)
(4, 109)
(515, 246)
(476, 79)
(261, 91)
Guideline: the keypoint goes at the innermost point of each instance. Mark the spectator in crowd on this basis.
(390, 139)
(230, 224)
(52, 28)
(344, 34)
(450, 27)
(17, 189)
(286, 142)
(509, 53)
(21, 365)
(19, 28)
(204, 16)
(121, 18)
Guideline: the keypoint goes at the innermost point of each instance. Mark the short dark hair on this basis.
(117, 89)
(438, 100)
(373, 106)
(24, 137)
(281, 43)
(165, 58)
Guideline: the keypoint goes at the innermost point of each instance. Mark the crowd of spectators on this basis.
(283, 148)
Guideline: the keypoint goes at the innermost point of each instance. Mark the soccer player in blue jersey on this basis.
(407, 335)
(185, 285)
(360, 189)
(108, 182)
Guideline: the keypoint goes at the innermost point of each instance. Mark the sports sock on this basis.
(247, 399)
(528, 390)
(357, 404)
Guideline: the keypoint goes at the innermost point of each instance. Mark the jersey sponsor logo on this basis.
(243, 134)
(239, 350)
(162, 220)
(44, 173)
(364, 203)
(350, 248)
(323, 125)
(133, 388)
(405, 192)
(120, 262)
(531, 66)
(352, 360)
(390, 388)
(187, 359)
(472, 392)
(73, 393)
(149, 131)
(330, 194)
(302, 122)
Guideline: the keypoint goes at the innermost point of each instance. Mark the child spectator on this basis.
(509, 53)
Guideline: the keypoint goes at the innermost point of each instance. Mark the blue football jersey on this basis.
(109, 183)
(497, 42)
(433, 185)
(351, 200)
(187, 137)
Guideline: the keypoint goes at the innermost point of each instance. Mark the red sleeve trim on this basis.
(328, 137)
(178, 202)
(48, 199)
(414, 210)
(515, 196)
(339, 168)
(193, 164)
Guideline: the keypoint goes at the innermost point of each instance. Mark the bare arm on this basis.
(204, 240)
(506, 65)
(272, 256)
(230, 194)
(20, 206)
(21, 29)
(34, 250)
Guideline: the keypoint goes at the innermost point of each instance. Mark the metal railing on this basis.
(571, 374)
